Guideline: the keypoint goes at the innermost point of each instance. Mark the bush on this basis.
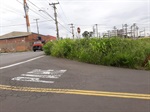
(47, 48)
(108, 51)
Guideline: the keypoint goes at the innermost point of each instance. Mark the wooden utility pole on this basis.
(37, 25)
(26, 9)
(72, 27)
(55, 14)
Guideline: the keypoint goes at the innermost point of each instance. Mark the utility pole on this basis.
(37, 25)
(55, 14)
(122, 30)
(26, 9)
(137, 31)
(96, 29)
(134, 25)
(131, 31)
(72, 27)
(126, 30)
(115, 31)
(109, 33)
(144, 33)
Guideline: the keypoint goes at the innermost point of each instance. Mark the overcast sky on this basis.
(82, 13)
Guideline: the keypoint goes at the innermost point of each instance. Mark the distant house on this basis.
(21, 41)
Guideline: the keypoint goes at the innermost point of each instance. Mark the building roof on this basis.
(15, 34)
(51, 37)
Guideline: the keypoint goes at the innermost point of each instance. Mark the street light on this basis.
(47, 14)
(56, 22)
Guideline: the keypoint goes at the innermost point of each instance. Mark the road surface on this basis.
(33, 82)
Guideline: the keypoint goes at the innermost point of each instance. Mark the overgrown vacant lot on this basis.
(117, 52)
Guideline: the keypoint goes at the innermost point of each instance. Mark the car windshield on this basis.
(38, 42)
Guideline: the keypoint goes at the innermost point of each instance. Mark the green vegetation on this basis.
(108, 51)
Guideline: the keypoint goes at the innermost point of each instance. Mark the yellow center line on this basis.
(77, 92)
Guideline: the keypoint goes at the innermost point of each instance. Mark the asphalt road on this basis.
(49, 84)
(7, 59)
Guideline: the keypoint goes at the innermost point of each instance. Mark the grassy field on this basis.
(117, 52)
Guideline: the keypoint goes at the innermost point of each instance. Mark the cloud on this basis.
(82, 13)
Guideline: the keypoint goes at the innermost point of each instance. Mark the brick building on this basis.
(20, 41)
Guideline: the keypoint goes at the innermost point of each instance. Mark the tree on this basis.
(90, 34)
(85, 34)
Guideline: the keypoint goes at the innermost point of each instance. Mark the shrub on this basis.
(47, 48)
(108, 51)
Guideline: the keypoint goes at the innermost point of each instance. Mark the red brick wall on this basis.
(33, 37)
(14, 47)
(21, 43)
(13, 40)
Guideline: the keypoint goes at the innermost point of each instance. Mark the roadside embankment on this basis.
(117, 52)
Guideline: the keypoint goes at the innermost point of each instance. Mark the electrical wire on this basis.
(33, 11)
(63, 12)
(25, 24)
(11, 9)
(46, 13)
(39, 8)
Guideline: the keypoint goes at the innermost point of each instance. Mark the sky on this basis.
(82, 13)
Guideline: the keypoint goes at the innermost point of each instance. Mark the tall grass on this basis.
(108, 51)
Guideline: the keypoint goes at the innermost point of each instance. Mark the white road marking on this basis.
(41, 76)
(63, 70)
(48, 72)
(12, 65)
(29, 79)
(37, 74)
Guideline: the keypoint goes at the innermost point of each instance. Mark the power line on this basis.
(33, 10)
(49, 15)
(45, 12)
(65, 28)
(25, 24)
(36, 6)
(63, 19)
(13, 11)
(63, 12)
(33, 4)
